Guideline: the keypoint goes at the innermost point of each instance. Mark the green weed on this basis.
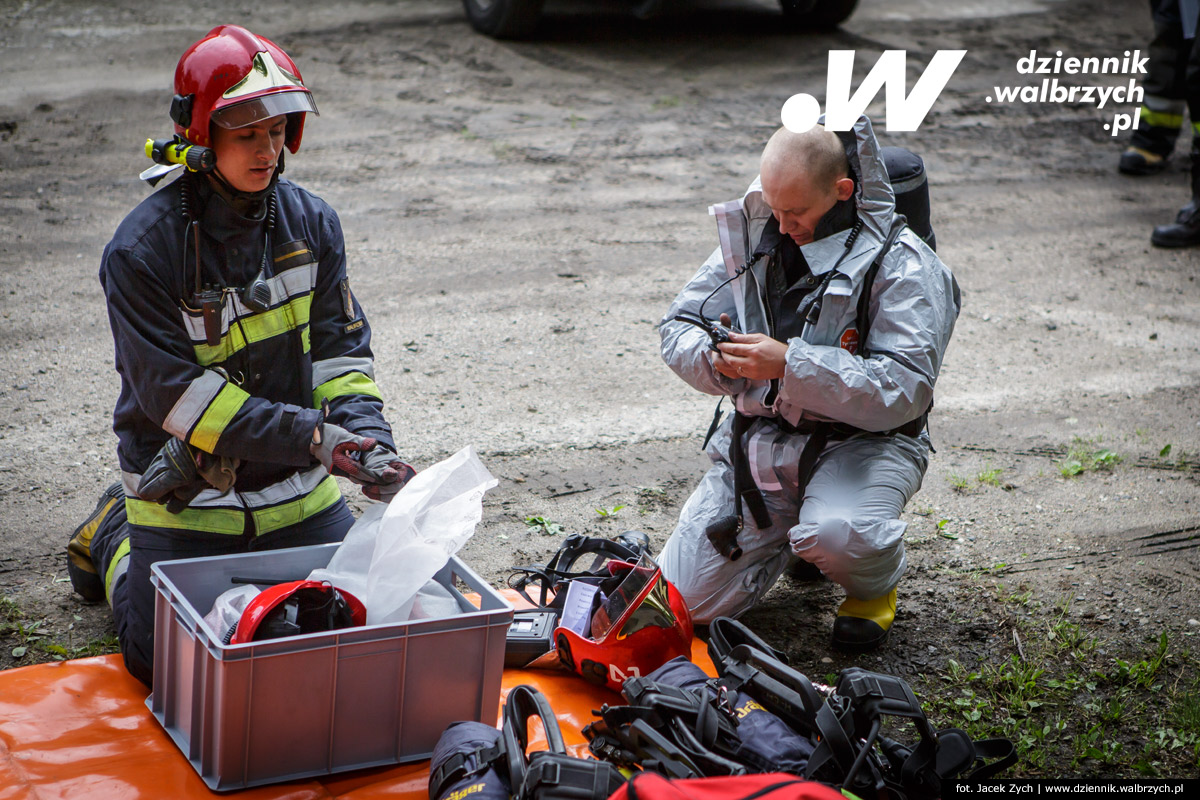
(543, 526)
(990, 477)
(1065, 701)
(1083, 457)
(605, 513)
(97, 647)
(651, 498)
(9, 612)
(1186, 713)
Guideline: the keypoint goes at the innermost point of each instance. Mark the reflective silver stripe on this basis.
(759, 453)
(1165, 104)
(208, 498)
(119, 569)
(900, 187)
(192, 403)
(296, 485)
(195, 323)
(329, 368)
(292, 283)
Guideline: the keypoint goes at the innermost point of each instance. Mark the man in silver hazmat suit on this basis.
(832, 384)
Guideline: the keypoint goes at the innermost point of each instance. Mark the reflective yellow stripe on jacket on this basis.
(256, 328)
(350, 383)
(286, 503)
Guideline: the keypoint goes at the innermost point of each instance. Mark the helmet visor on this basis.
(257, 109)
(640, 601)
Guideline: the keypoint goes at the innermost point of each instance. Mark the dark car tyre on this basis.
(504, 19)
(822, 14)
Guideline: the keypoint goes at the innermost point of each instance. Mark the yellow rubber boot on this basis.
(862, 625)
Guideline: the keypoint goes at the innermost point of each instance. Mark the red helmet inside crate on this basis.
(298, 607)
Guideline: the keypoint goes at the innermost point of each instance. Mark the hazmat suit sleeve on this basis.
(685, 347)
(198, 405)
(343, 364)
(913, 306)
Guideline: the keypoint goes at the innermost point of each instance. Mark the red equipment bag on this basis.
(768, 786)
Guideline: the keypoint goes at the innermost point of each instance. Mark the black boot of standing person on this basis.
(1185, 230)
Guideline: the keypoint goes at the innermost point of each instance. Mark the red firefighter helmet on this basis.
(641, 623)
(295, 608)
(233, 78)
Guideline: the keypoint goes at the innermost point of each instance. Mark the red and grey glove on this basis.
(389, 473)
(340, 451)
(360, 458)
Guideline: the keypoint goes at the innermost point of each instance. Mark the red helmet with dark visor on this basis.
(233, 78)
(638, 623)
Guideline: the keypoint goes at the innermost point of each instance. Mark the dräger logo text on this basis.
(903, 111)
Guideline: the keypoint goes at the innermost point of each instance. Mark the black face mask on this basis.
(249, 204)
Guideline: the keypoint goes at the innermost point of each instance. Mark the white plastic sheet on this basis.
(228, 608)
(395, 549)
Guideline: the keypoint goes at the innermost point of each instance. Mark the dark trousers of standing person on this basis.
(1172, 84)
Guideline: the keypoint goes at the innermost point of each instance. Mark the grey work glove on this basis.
(179, 472)
(359, 458)
(340, 451)
(391, 474)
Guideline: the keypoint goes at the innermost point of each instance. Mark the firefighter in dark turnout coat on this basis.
(245, 359)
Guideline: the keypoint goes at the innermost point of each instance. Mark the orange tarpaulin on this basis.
(81, 730)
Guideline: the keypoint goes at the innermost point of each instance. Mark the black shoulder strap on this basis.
(863, 320)
(1004, 751)
(523, 702)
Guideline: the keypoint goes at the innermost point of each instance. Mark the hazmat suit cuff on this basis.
(730, 386)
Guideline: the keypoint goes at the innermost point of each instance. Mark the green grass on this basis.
(29, 641)
(9, 612)
(990, 477)
(1074, 704)
(651, 498)
(1084, 456)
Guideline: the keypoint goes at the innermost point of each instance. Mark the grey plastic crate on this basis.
(250, 714)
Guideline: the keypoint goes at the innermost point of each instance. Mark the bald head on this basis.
(816, 154)
(803, 176)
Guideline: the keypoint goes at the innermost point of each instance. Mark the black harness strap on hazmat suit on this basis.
(819, 433)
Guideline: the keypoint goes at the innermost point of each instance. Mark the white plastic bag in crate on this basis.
(394, 550)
